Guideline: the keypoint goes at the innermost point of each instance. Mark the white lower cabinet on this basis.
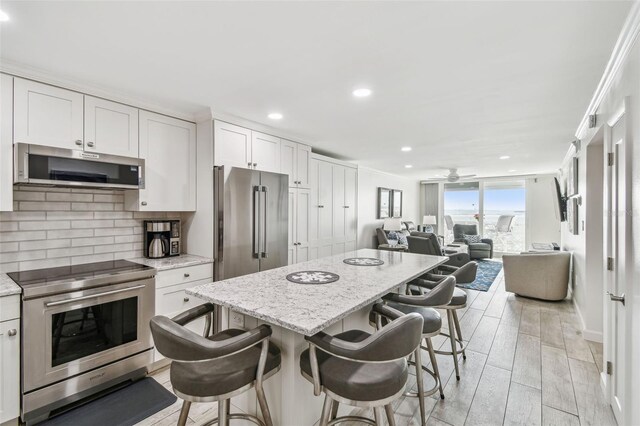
(9, 358)
(171, 298)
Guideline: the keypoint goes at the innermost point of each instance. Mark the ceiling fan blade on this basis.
(466, 176)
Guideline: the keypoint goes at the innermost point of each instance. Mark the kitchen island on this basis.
(297, 310)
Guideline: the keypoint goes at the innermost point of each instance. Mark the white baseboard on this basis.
(591, 335)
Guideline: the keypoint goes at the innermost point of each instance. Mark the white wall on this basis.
(368, 182)
(586, 247)
(543, 223)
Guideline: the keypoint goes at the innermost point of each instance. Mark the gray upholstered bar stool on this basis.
(429, 282)
(424, 305)
(362, 369)
(218, 367)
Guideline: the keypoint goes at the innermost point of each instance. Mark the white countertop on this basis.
(172, 262)
(8, 287)
(308, 309)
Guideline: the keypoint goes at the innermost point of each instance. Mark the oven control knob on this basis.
(12, 332)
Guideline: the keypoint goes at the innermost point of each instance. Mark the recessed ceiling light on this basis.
(3, 16)
(504, 157)
(405, 149)
(362, 93)
(408, 166)
(275, 116)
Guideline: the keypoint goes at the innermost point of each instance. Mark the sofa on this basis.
(539, 275)
(481, 250)
(428, 243)
(383, 241)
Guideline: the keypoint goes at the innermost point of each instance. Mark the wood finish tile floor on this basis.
(527, 364)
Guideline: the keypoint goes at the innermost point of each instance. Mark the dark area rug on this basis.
(124, 407)
(488, 270)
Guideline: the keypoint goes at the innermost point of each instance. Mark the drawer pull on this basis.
(186, 275)
(12, 332)
(144, 203)
(186, 299)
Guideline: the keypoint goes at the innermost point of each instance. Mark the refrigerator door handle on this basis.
(256, 221)
(265, 220)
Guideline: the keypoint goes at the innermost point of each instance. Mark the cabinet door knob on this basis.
(249, 165)
(144, 203)
(321, 206)
(186, 275)
(79, 142)
(12, 332)
(91, 144)
(255, 165)
(186, 299)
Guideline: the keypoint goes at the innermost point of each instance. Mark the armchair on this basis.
(539, 275)
(481, 250)
(458, 264)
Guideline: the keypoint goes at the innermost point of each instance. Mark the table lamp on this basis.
(428, 222)
(392, 224)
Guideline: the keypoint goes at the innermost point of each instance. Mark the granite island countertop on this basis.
(8, 287)
(174, 262)
(308, 309)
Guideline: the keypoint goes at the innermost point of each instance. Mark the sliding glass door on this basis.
(496, 207)
(504, 215)
(461, 205)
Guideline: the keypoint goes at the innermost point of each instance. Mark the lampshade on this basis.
(392, 224)
(429, 220)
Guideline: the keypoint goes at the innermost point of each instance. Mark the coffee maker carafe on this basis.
(161, 238)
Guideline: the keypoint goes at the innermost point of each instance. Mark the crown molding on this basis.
(42, 76)
(623, 46)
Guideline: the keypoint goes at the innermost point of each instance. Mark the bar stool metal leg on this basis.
(459, 333)
(390, 417)
(377, 412)
(184, 413)
(223, 413)
(334, 410)
(434, 364)
(454, 343)
(419, 379)
(264, 408)
(326, 411)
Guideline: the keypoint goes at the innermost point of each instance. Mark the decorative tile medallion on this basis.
(313, 277)
(363, 261)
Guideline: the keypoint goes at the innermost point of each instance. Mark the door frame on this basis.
(624, 261)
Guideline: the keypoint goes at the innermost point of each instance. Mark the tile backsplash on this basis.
(62, 226)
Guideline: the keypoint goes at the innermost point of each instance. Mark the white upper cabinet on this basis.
(350, 203)
(288, 157)
(6, 142)
(110, 127)
(168, 146)
(294, 161)
(265, 152)
(303, 159)
(47, 115)
(232, 145)
(338, 203)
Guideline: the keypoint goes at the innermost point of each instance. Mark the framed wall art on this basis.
(396, 203)
(384, 203)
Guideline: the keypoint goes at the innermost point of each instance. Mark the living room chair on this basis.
(427, 243)
(477, 250)
(539, 275)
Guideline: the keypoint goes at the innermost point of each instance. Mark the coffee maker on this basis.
(161, 238)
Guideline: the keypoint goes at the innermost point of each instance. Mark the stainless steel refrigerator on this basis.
(251, 212)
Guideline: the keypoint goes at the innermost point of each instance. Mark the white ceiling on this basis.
(461, 82)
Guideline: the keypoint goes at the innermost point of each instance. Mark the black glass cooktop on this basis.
(38, 277)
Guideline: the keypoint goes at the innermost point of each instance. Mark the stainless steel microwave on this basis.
(44, 165)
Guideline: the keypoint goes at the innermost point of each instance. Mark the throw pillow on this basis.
(392, 235)
(472, 238)
(402, 239)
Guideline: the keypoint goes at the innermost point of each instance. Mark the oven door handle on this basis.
(92, 296)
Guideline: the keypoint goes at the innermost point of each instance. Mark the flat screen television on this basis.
(560, 202)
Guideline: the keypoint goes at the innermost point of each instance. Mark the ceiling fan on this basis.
(452, 177)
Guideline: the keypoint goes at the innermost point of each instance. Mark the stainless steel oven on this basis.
(84, 334)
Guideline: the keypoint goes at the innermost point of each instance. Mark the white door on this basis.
(338, 203)
(350, 201)
(265, 152)
(303, 154)
(47, 115)
(618, 249)
(291, 239)
(110, 127)
(9, 370)
(232, 145)
(168, 146)
(303, 223)
(288, 157)
(325, 201)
